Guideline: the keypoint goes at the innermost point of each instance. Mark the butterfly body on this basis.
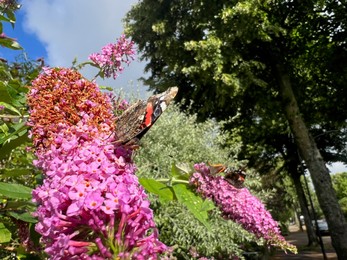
(135, 121)
(235, 177)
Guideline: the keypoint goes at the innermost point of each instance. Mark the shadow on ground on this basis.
(299, 239)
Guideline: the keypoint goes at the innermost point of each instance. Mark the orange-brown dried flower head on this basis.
(63, 96)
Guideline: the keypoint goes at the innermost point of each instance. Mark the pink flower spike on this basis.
(239, 205)
(112, 56)
(90, 205)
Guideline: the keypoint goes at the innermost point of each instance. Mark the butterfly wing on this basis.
(216, 168)
(235, 177)
(127, 123)
(134, 123)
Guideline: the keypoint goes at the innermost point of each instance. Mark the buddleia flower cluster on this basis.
(239, 205)
(112, 56)
(90, 205)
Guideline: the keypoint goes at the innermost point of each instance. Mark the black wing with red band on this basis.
(134, 122)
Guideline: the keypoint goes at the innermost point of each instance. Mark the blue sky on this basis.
(62, 30)
(28, 41)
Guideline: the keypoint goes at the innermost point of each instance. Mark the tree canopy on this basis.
(272, 67)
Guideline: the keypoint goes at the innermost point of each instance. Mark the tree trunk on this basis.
(311, 235)
(315, 164)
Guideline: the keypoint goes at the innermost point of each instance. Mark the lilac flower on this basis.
(239, 205)
(112, 57)
(90, 205)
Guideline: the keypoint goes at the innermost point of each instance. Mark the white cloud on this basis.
(76, 28)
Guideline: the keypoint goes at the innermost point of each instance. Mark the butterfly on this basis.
(235, 177)
(136, 120)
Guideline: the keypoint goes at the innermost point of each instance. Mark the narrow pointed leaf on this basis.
(15, 191)
(193, 202)
(10, 107)
(26, 216)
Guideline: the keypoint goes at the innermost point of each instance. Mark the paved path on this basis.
(299, 239)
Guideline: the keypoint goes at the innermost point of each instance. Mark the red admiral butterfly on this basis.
(233, 176)
(135, 121)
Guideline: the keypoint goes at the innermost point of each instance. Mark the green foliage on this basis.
(16, 171)
(14, 191)
(177, 187)
(223, 55)
(340, 185)
(182, 230)
(229, 56)
(13, 115)
(5, 234)
(343, 204)
(177, 137)
(7, 14)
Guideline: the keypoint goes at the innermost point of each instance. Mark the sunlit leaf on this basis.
(5, 234)
(106, 88)
(10, 107)
(15, 191)
(11, 16)
(9, 43)
(195, 204)
(178, 173)
(163, 191)
(21, 129)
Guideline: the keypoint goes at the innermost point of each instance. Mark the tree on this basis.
(231, 58)
(266, 150)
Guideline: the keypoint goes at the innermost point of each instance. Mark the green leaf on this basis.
(4, 95)
(106, 88)
(15, 191)
(21, 129)
(4, 128)
(6, 149)
(11, 16)
(207, 205)
(180, 173)
(10, 107)
(5, 234)
(26, 216)
(12, 205)
(34, 236)
(9, 43)
(5, 173)
(163, 191)
(195, 204)
(4, 18)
